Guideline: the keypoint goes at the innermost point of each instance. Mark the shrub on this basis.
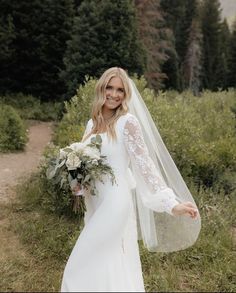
(199, 133)
(77, 113)
(13, 131)
(29, 107)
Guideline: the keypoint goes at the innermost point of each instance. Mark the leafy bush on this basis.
(199, 133)
(29, 107)
(13, 131)
(39, 191)
(77, 113)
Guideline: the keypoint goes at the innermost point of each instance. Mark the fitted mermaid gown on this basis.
(106, 256)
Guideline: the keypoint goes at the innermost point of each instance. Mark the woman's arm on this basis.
(160, 197)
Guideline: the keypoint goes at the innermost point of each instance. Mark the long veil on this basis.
(161, 231)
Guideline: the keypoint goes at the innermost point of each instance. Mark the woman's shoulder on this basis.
(128, 117)
(89, 124)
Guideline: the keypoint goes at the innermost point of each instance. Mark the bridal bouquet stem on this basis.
(81, 164)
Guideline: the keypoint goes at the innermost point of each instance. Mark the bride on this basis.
(150, 200)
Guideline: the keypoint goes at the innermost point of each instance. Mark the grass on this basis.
(26, 264)
(35, 258)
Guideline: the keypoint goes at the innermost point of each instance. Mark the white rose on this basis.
(62, 154)
(92, 153)
(95, 162)
(73, 161)
(77, 146)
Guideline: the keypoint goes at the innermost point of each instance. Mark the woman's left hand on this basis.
(185, 208)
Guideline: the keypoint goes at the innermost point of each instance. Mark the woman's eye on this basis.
(108, 87)
(121, 90)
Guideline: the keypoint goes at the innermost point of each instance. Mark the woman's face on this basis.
(114, 93)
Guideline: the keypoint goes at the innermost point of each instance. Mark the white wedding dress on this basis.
(106, 257)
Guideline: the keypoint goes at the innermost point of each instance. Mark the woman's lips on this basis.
(113, 100)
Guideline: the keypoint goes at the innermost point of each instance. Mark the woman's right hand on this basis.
(76, 189)
(185, 208)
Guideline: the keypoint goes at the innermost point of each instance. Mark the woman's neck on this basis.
(107, 114)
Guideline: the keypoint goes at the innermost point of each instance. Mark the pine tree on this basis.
(41, 30)
(7, 51)
(211, 27)
(193, 60)
(157, 40)
(55, 28)
(178, 15)
(232, 57)
(222, 68)
(104, 35)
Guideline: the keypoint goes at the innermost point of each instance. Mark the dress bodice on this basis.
(114, 150)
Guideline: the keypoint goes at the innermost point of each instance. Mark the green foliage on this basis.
(198, 133)
(29, 107)
(196, 130)
(211, 30)
(7, 50)
(178, 16)
(40, 192)
(207, 266)
(104, 34)
(37, 35)
(77, 113)
(156, 38)
(222, 72)
(13, 131)
(232, 57)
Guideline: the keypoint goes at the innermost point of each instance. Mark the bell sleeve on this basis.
(158, 196)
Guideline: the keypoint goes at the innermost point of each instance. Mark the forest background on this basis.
(48, 47)
(182, 56)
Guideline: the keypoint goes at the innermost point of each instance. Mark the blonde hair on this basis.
(97, 117)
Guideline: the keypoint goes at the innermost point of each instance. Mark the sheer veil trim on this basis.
(160, 231)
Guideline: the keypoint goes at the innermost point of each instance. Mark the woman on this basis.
(106, 256)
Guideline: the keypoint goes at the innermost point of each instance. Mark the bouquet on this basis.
(81, 164)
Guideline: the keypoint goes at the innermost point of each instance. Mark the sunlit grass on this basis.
(37, 262)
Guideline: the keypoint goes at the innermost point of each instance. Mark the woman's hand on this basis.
(76, 189)
(185, 208)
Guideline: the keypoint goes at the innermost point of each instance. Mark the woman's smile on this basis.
(114, 93)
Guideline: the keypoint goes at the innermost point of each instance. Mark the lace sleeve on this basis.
(160, 197)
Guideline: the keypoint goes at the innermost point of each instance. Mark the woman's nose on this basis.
(114, 93)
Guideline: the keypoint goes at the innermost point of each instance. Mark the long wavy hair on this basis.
(96, 114)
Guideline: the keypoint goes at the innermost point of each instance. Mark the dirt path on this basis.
(16, 264)
(14, 166)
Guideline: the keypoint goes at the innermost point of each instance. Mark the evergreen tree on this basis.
(104, 35)
(222, 69)
(157, 40)
(211, 28)
(55, 29)
(232, 57)
(193, 60)
(41, 30)
(7, 51)
(178, 15)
